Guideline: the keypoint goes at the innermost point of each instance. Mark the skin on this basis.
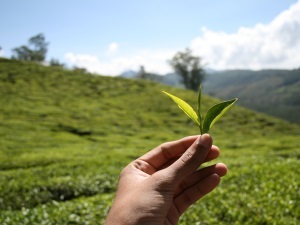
(158, 187)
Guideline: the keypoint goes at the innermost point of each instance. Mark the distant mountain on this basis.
(128, 74)
(171, 79)
(211, 71)
(275, 92)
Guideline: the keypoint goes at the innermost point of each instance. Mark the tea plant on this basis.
(212, 115)
(63, 146)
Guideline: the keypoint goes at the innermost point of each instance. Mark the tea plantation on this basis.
(66, 135)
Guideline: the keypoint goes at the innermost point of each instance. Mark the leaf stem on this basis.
(200, 126)
(199, 109)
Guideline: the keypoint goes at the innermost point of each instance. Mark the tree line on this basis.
(184, 63)
(35, 51)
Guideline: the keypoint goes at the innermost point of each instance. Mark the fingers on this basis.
(168, 151)
(191, 159)
(212, 154)
(220, 169)
(195, 192)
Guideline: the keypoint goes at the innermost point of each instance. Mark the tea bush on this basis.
(65, 136)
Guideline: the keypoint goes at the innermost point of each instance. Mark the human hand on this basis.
(159, 186)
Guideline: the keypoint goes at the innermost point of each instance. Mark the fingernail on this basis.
(205, 141)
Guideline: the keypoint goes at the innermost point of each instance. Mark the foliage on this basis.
(56, 63)
(189, 68)
(66, 135)
(37, 53)
(80, 70)
(213, 114)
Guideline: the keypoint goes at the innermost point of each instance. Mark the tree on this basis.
(189, 68)
(36, 53)
(142, 73)
(80, 70)
(55, 63)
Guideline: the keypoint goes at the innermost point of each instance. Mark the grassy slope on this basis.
(65, 136)
(275, 92)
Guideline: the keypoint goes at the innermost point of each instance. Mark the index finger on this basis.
(167, 151)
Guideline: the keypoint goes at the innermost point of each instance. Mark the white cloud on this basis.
(112, 48)
(1, 52)
(273, 45)
(153, 61)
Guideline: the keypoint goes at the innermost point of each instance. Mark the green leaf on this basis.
(215, 113)
(185, 107)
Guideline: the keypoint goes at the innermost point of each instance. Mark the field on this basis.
(66, 135)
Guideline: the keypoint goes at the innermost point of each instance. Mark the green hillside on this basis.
(65, 136)
(274, 92)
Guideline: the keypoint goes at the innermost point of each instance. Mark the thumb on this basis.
(191, 159)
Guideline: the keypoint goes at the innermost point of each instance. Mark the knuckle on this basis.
(166, 150)
(187, 157)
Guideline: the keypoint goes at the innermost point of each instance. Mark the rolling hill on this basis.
(274, 92)
(66, 135)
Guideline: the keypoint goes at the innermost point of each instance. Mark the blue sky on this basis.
(109, 37)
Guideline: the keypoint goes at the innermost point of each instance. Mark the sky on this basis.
(112, 36)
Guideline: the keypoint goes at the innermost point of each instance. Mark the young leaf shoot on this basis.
(212, 116)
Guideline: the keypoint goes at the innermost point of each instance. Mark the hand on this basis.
(158, 187)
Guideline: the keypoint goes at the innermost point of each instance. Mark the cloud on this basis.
(273, 45)
(153, 61)
(112, 48)
(1, 52)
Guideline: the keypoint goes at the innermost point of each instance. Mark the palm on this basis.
(174, 200)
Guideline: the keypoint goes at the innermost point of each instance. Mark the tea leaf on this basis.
(185, 107)
(215, 113)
